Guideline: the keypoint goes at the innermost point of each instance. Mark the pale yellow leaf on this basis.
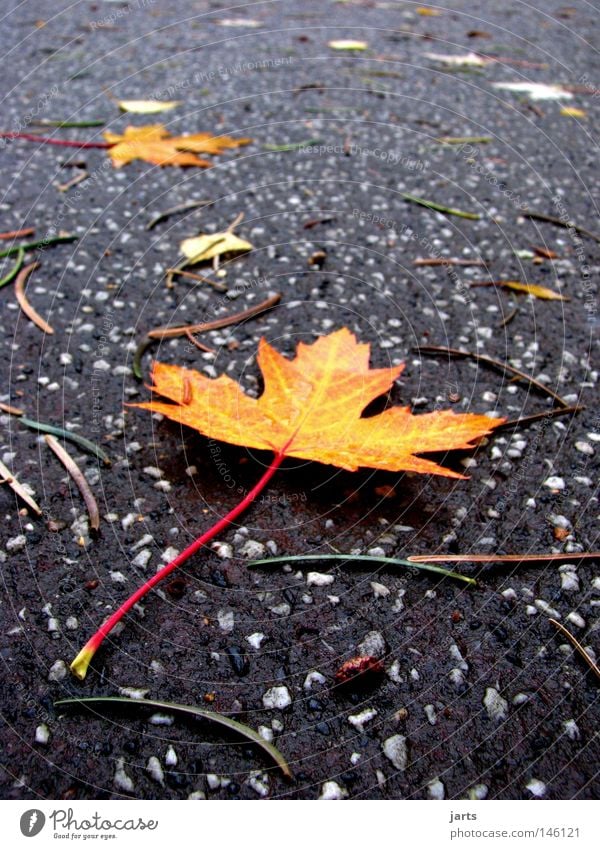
(347, 44)
(147, 107)
(207, 246)
(573, 112)
(541, 292)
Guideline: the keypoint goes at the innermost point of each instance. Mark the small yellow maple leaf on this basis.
(153, 143)
(312, 407)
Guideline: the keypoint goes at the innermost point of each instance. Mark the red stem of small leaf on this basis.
(60, 142)
(81, 662)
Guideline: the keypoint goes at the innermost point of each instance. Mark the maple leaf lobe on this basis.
(312, 408)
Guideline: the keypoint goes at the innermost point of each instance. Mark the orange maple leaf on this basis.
(312, 408)
(153, 143)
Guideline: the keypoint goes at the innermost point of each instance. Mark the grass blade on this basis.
(363, 558)
(84, 443)
(449, 210)
(191, 710)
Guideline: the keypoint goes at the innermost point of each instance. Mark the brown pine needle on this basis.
(438, 350)
(181, 272)
(172, 332)
(9, 479)
(538, 417)
(577, 646)
(77, 475)
(29, 311)
(17, 234)
(14, 411)
(558, 222)
(199, 345)
(573, 557)
(78, 178)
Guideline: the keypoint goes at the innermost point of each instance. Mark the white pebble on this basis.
(122, 780)
(253, 550)
(576, 619)
(226, 620)
(359, 720)
(554, 482)
(536, 787)
(134, 692)
(16, 543)
(259, 782)
(569, 582)
(71, 623)
(223, 550)
(571, 729)
(319, 579)
(478, 791)
(331, 791)
(546, 608)
(373, 644)
(396, 750)
(436, 789)
(495, 705)
(277, 698)
(429, 711)
(266, 733)
(394, 673)
(58, 671)
(155, 770)
(171, 757)
(42, 734)
(585, 448)
(256, 639)
(379, 590)
(141, 559)
(313, 677)
(161, 719)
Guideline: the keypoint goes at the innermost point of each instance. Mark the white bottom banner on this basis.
(290, 824)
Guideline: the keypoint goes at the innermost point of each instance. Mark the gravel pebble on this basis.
(42, 734)
(155, 770)
(58, 671)
(436, 789)
(372, 644)
(495, 705)
(396, 750)
(319, 579)
(536, 787)
(121, 779)
(259, 782)
(359, 720)
(277, 698)
(331, 791)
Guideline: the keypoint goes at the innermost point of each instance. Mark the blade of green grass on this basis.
(363, 558)
(43, 243)
(46, 122)
(191, 710)
(8, 278)
(449, 210)
(84, 443)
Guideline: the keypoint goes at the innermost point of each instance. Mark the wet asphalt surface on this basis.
(480, 697)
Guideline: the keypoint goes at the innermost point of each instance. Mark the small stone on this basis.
(155, 770)
(259, 782)
(536, 787)
(161, 719)
(478, 791)
(394, 673)
(546, 608)
(121, 780)
(16, 543)
(585, 448)
(71, 623)
(197, 794)
(396, 750)
(252, 549)
(554, 482)
(141, 559)
(319, 579)
(266, 733)
(223, 550)
(256, 639)
(226, 620)
(359, 720)
(42, 734)
(576, 619)
(277, 698)
(238, 660)
(331, 791)
(354, 758)
(571, 729)
(436, 789)
(213, 781)
(495, 705)
(313, 677)
(429, 711)
(379, 590)
(58, 671)
(171, 757)
(373, 644)
(134, 692)
(569, 582)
